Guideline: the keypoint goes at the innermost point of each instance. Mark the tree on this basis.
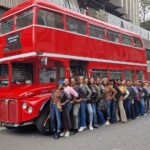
(144, 9)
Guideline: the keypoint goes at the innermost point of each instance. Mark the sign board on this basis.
(13, 42)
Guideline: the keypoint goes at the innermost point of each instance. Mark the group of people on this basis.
(81, 103)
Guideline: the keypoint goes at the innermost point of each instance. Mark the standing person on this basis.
(115, 102)
(76, 105)
(141, 97)
(94, 99)
(55, 109)
(85, 96)
(110, 94)
(130, 109)
(146, 97)
(100, 105)
(89, 106)
(67, 107)
(123, 96)
(136, 99)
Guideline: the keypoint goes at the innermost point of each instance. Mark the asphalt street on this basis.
(134, 135)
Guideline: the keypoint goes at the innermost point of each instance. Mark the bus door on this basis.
(78, 68)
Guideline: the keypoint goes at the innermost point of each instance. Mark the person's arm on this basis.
(114, 92)
(73, 92)
(89, 92)
(127, 95)
(98, 91)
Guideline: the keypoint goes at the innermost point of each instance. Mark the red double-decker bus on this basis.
(41, 43)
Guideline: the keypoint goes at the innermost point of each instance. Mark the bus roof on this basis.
(48, 4)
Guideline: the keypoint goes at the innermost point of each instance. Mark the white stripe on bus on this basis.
(70, 57)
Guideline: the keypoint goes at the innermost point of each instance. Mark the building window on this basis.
(140, 75)
(137, 42)
(76, 25)
(24, 19)
(97, 32)
(113, 36)
(127, 40)
(7, 25)
(148, 54)
(50, 19)
(129, 75)
(99, 73)
(47, 75)
(115, 74)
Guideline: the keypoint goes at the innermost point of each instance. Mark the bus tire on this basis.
(40, 121)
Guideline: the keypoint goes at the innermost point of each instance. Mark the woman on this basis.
(94, 99)
(67, 107)
(100, 104)
(83, 106)
(122, 98)
(76, 105)
(110, 94)
(55, 109)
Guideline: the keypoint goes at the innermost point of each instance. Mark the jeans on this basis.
(76, 109)
(147, 103)
(114, 111)
(90, 113)
(55, 114)
(137, 110)
(100, 117)
(94, 113)
(108, 109)
(83, 114)
(69, 107)
(142, 107)
(127, 105)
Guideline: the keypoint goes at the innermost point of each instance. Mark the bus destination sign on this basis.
(13, 42)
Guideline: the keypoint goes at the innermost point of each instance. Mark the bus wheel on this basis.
(43, 123)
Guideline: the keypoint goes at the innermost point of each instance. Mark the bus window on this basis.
(50, 19)
(97, 32)
(7, 25)
(127, 40)
(99, 73)
(22, 73)
(24, 19)
(115, 74)
(113, 36)
(76, 25)
(47, 75)
(3, 75)
(129, 75)
(60, 71)
(137, 42)
(140, 75)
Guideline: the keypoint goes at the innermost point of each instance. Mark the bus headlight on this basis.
(30, 110)
(24, 106)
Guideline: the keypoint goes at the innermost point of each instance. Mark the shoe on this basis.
(56, 136)
(96, 126)
(62, 134)
(67, 134)
(82, 128)
(107, 123)
(137, 117)
(145, 114)
(76, 130)
(91, 128)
